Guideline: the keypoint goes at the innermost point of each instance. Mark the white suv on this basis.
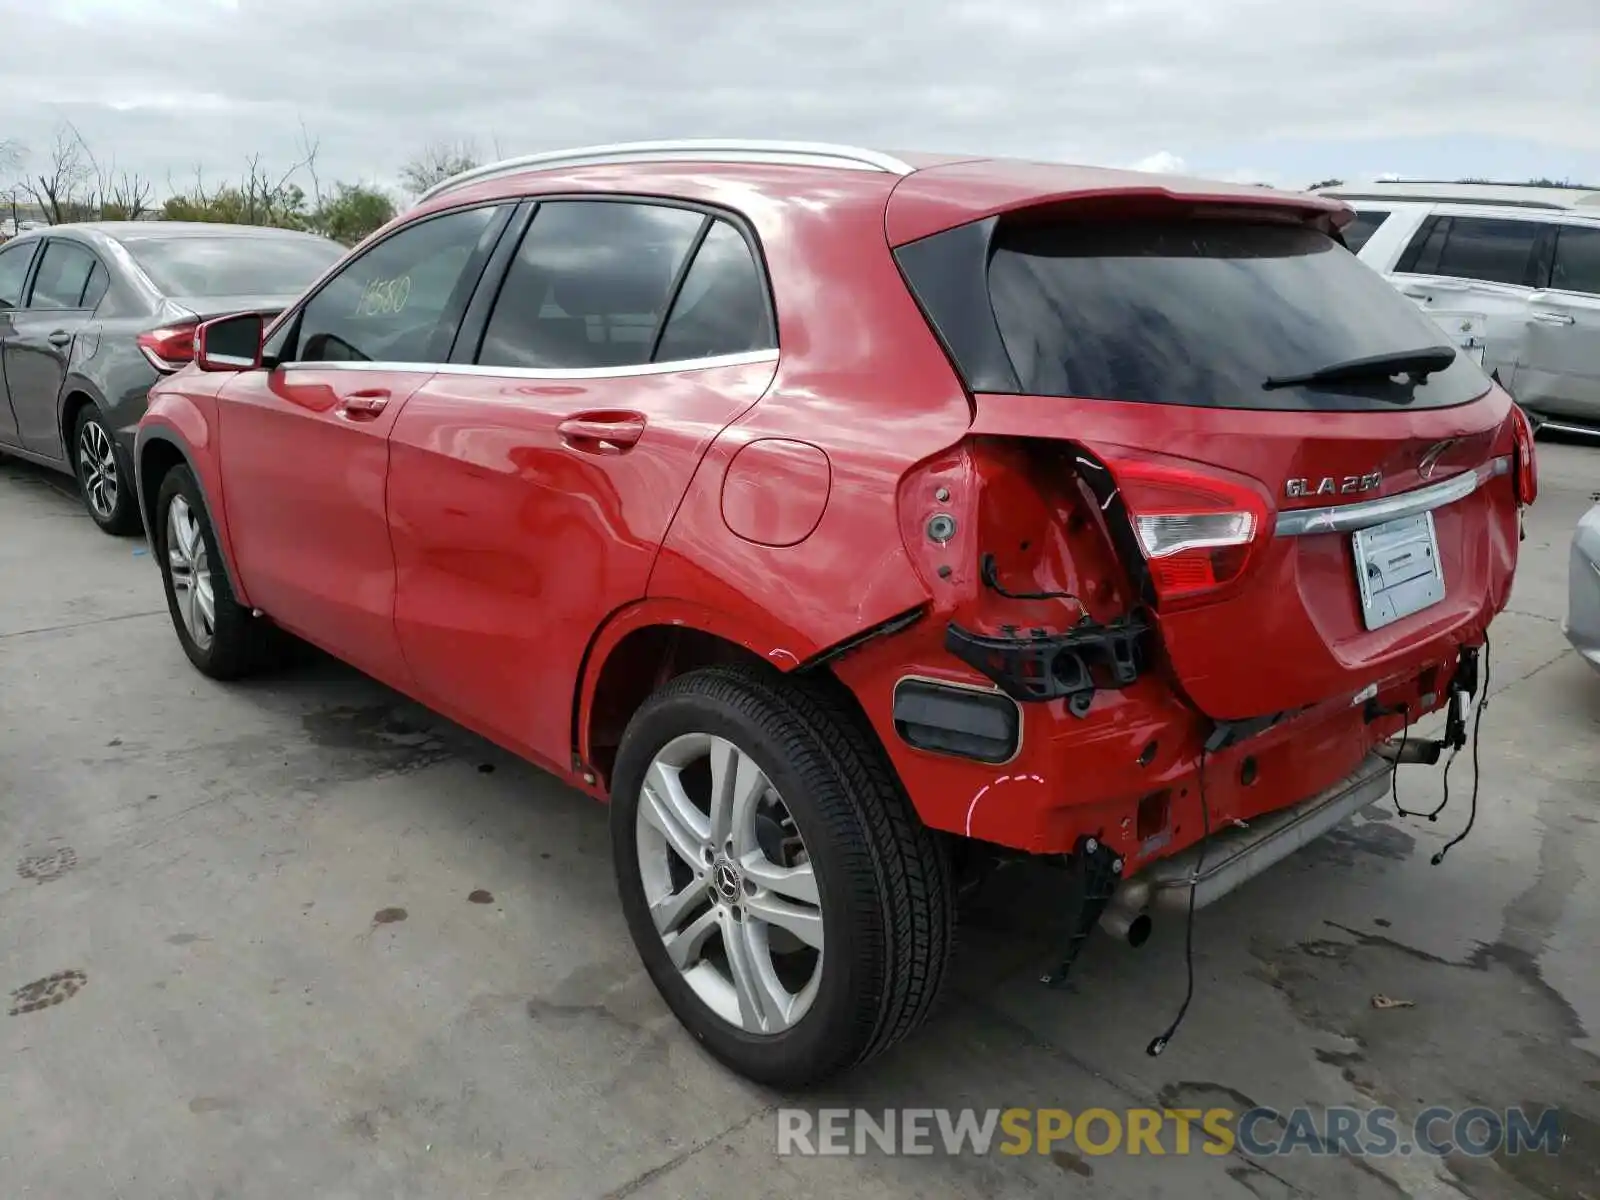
(1512, 272)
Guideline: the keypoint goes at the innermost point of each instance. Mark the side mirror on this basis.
(230, 343)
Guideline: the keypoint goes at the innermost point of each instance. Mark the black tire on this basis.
(113, 507)
(239, 643)
(883, 878)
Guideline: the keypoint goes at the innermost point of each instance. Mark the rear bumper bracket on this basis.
(1034, 665)
(1100, 869)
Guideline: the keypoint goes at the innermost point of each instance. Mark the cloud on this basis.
(1162, 162)
(1214, 86)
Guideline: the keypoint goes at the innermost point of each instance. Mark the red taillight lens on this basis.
(1526, 460)
(168, 348)
(1198, 530)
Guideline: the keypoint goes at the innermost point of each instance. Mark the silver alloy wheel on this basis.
(97, 467)
(191, 573)
(730, 884)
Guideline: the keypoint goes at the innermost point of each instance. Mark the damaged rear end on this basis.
(1229, 517)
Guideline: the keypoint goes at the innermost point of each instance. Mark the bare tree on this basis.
(12, 152)
(117, 195)
(63, 189)
(309, 146)
(260, 197)
(126, 198)
(437, 162)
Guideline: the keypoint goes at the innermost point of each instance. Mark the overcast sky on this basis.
(1271, 90)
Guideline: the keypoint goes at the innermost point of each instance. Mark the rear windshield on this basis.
(234, 265)
(1193, 312)
(1363, 227)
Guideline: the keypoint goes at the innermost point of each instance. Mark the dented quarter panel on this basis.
(851, 571)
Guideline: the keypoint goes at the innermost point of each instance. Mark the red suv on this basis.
(847, 520)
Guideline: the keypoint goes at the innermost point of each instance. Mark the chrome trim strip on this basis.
(1347, 518)
(751, 358)
(808, 154)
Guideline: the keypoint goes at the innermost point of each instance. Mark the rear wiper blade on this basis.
(1418, 363)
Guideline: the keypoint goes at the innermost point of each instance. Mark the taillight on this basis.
(1526, 461)
(1197, 529)
(169, 347)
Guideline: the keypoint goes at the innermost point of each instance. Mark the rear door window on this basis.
(1360, 231)
(590, 285)
(1577, 261)
(1490, 249)
(62, 277)
(1203, 312)
(14, 262)
(722, 307)
(95, 290)
(1422, 253)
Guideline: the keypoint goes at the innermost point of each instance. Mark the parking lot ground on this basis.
(298, 937)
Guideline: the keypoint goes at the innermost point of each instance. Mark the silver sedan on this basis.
(1583, 588)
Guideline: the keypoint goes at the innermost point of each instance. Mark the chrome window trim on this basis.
(1347, 518)
(749, 358)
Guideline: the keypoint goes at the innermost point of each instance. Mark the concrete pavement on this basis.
(298, 937)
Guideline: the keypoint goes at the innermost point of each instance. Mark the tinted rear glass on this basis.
(233, 266)
(1203, 313)
(1492, 250)
(1363, 227)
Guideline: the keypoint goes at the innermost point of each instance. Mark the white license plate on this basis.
(1397, 569)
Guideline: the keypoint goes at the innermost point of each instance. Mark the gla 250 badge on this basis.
(1331, 485)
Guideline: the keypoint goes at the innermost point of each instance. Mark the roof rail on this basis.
(1496, 195)
(806, 154)
(1442, 198)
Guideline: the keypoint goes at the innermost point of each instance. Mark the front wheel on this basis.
(104, 476)
(219, 634)
(787, 902)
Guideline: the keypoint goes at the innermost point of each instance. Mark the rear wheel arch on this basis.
(644, 647)
(626, 666)
(77, 399)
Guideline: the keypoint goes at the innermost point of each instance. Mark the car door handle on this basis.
(60, 338)
(602, 433)
(1554, 318)
(363, 406)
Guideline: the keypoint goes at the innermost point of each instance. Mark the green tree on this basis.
(352, 212)
(254, 201)
(1326, 183)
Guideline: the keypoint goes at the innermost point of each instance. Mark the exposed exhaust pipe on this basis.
(1414, 750)
(1236, 854)
(1126, 922)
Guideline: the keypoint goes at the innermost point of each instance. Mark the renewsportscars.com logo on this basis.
(1258, 1132)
